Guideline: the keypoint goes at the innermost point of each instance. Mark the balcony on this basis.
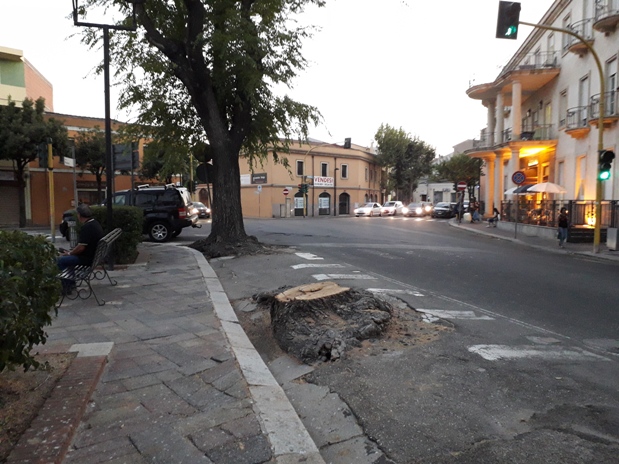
(584, 29)
(611, 109)
(576, 122)
(533, 71)
(606, 16)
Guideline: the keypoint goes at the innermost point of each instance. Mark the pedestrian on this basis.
(476, 217)
(84, 252)
(563, 224)
(496, 217)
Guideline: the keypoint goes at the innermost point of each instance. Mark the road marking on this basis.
(448, 314)
(308, 256)
(396, 291)
(503, 352)
(303, 266)
(342, 277)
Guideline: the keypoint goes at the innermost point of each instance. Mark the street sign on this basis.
(519, 177)
(461, 185)
(286, 190)
(259, 188)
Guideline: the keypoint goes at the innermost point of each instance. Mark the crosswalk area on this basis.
(480, 323)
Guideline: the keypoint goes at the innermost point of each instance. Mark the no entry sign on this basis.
(286, 190)
(461, 185)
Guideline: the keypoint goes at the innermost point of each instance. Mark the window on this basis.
(562, 108)
(561, 172)
(324, 169)
(611, 85)
(565, 38)
(344, 171)
(300, 168)
(366, 173)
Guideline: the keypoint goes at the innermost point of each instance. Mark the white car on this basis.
(392, 208)
(369, 209)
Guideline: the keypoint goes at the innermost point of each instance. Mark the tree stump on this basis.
(320, 322)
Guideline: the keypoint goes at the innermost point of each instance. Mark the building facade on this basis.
(338, 178)
(543, 109)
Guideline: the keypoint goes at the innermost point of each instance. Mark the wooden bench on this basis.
(83, 275)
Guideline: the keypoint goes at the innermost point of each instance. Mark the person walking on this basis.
(84, 252)
(563, 224)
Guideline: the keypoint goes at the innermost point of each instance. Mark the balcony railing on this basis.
(583, 28)
(606, 15)
(577, 117)
(536, 132)
(606, 8)
(611, 108)
(542, 60)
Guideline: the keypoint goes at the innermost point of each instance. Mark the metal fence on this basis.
(545, 212)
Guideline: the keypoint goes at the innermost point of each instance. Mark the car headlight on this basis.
(428, 208)
(405, 210)
(418, 210)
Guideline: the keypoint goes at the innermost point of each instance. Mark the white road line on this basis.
(308, 256)
(503, 352)
(342, 277)
(303, 266)
(448, 314)
(396, 291)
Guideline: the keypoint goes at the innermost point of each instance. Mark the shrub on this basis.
(29, 291)
(130, 219)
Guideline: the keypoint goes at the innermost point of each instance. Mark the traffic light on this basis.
(605, 163)
(301, 188)
(305, 188)
(507, 22)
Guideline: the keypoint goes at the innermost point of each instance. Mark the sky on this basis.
(406, 63)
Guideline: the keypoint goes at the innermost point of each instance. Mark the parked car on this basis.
(167, 209)
(203, 210)
(443, 210)
(369, 209)
(414, 210)
(391, 208)
(427, 207)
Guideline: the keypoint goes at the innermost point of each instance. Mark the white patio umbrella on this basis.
(548, 187)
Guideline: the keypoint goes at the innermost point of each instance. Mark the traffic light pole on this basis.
(598, 182)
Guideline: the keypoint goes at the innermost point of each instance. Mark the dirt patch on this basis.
(23, 394)
(250, 246)
(355, 325)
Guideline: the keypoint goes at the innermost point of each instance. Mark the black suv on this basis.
(167, 209)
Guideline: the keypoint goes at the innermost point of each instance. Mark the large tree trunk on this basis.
(227, 213)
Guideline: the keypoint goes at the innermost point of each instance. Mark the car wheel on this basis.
(159, 231)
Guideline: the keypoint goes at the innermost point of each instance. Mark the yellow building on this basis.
(351, 176)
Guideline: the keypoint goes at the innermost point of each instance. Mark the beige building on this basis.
(543, 113)
(339, 180)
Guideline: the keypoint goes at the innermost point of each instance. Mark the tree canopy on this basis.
(22, 129)
(406, 158)
(200, 71)
(90, 155)
(460, 167)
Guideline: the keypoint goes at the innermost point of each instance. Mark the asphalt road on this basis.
(529, 373)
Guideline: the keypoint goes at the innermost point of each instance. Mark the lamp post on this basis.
(109, 169)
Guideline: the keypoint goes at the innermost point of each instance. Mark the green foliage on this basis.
(90, 154)
(29, 291)
(21, 130)
(198, 71)
(458, 168)
(130, 219)
(407, 160)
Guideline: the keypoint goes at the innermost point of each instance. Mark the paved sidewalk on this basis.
(182, 383)
(506, 232)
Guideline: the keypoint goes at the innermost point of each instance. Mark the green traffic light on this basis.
(604, 175)
(512, 30)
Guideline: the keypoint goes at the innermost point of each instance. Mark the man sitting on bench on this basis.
(84, 252)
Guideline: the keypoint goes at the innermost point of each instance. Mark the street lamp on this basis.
(109, 169)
